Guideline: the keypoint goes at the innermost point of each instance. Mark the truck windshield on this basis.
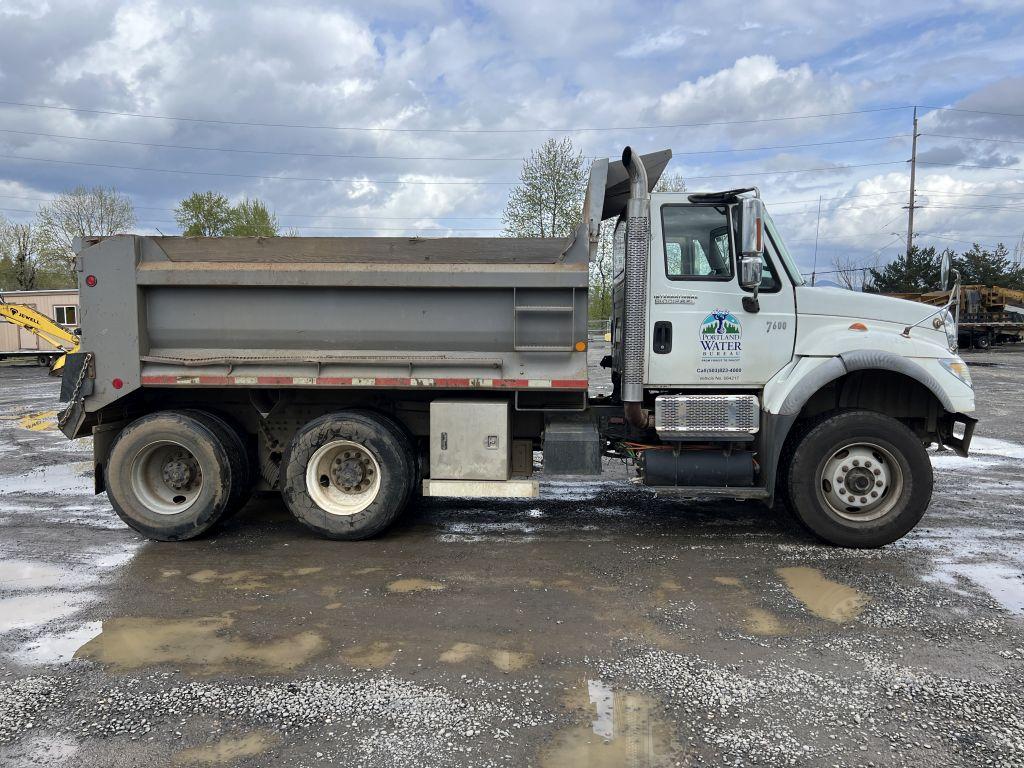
(791, 267)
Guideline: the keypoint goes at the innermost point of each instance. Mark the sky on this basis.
(412, 118)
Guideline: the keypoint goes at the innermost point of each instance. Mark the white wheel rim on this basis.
(166, 477)
(861, 482)
(343, 477)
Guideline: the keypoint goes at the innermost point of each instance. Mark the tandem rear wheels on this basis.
(857, 478)
(349, 475)
(173, 475)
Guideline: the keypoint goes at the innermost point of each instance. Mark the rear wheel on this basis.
(242, 468)
(859, 479)
(169, 476)
(347, 475)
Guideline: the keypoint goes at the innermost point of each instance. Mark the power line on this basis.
(970, 165)
(254, 151)
(794, 170)
(217, 121)
(973, 138)
(289, 215)
(337, 180)
(970, 194)
(969, 111)
(356, 156)
(253, 175)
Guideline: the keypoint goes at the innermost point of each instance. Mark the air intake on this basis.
(686, 417)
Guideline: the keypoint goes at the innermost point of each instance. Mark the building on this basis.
(61, 304)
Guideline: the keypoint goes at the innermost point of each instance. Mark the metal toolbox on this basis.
(470, 440)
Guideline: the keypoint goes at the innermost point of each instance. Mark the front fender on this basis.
(793, 386)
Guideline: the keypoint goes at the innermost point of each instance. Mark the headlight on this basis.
(958, 368)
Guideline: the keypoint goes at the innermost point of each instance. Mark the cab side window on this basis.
(696, 242)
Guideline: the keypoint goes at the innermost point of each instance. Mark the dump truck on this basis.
(352, 375)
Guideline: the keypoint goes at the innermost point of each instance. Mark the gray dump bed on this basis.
(335, 312)
(469, 313)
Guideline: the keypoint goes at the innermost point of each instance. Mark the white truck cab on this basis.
(761, 384)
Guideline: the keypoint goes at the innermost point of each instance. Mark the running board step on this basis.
(483, 489)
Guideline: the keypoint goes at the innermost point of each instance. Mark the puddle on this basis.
(130, 643)
(1004, 583)
(755, 620)
(728, 581)
(760, 622)
(245, 579)
(415, 585)
(505, 660)
(65, 479)
(374, 655)
(823, 597)
(227, 750)
(626, 730)
(992, 447)
(57, 648)
(17, 575)
(33, 610)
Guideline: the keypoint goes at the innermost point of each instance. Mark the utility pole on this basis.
(817, 228)
(913, 174)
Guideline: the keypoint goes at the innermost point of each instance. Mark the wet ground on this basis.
(597, 626)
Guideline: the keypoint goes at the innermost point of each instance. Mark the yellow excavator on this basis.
(42, 326)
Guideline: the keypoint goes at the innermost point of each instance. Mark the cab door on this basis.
(699, 333)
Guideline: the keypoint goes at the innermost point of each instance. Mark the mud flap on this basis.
(961, 445)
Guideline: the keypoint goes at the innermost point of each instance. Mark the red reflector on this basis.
(91, 281)
(117, 383)
(858, 327)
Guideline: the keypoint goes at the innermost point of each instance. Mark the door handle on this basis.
(662, 337)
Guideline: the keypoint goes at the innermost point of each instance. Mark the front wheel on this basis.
(859, 479)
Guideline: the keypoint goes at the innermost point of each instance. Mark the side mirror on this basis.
(751, 268)
(944, 268)
(751, 227)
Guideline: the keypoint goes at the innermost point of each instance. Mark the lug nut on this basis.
(867, 463)
(856, 462)
(877, 472)
(879, 483)
(874, 494)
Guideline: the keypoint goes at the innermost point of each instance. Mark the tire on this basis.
(982, 342)
(194, 453)
(872, 454)
(238, 454)
(44, 360)
(364, 463)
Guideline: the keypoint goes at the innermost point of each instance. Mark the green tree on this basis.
(252, 218)
(18, 250)
(983, 267)
(548, 200)
(80, 212)
(918, 275)
(203, 214)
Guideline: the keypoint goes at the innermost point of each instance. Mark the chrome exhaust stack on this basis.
(638, 240)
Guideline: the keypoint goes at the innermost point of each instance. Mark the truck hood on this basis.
(837, 302)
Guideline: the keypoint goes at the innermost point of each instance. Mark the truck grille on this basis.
(679, 417)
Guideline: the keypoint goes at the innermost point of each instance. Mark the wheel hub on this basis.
(343, 477)
(859, 481)
(177, 474)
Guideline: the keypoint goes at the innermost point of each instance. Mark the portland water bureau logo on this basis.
(721, 337)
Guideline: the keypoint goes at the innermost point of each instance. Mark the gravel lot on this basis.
(597, 626)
